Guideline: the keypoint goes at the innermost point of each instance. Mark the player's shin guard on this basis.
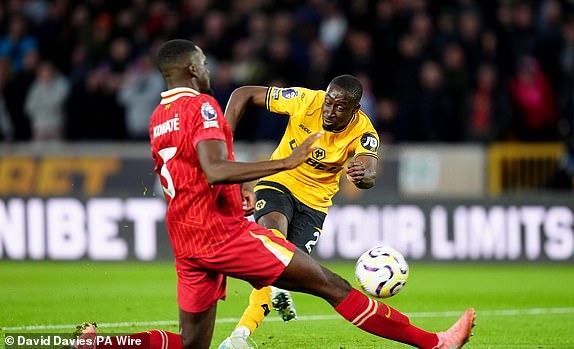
(259, 306)
(380, 319)
(155, 339)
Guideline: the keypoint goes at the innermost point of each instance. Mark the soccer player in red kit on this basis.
(191, 145)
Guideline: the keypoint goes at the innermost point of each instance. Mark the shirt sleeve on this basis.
(288, 100)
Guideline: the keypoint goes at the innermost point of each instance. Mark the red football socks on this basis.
(381, 320)
(156, 339)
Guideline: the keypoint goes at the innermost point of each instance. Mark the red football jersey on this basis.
(200, 217)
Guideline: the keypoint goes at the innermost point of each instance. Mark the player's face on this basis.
(338, 108)
(201, 72)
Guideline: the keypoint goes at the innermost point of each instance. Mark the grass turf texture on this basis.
(518, 305)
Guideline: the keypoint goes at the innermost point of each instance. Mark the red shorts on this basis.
(257, 255)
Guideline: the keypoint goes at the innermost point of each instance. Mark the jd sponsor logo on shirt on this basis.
(369, 142)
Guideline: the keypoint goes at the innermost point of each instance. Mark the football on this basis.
(382, 271)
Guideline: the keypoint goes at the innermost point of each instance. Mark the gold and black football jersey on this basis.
(316, 181)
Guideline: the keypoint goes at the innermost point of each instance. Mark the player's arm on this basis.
(240, 99)
(362, 171)
(218, 168)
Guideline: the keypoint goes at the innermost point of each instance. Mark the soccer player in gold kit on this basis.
(296, 202)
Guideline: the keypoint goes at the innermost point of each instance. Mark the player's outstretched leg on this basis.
(155, 339)
(282, 302)
(304, 274)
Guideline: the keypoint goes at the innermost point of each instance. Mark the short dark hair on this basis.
(174, 50)
(350, 84)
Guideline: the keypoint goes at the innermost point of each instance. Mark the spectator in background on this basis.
(564, 177)
(534, 102)
(100, 37)
(49, 32)
(356, 53)
(405, 82)
(492, 53)
(566, 94)
(522, 37)
(139, 95)
(457, 79)
(15, 93)
(320, 66)
(83, 120)
(446, 28)
(120, 56)
(566, 54)
(435, 119)
(36, 10)
(386, 120)
(216, 39)
(368, 100)
(470, 27)
(333, 25)
(6, 128)
(502, 28)
(549, 41)
(45, 103)
(79, 65)
(223, 83)
(246, 66)
(93, 109)
(125, 22)
(191, 13)
(280, 61)
(17, 43)
(80, 25)
(421, 27)
(258, 30)
(385, 31)
(487, 113)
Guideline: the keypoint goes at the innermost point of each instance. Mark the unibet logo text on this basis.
(69, 229)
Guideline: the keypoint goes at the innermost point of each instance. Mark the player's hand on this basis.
(301, 152)
(248, 198)
(355, 171)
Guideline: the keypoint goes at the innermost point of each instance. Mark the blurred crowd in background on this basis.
(432, 71)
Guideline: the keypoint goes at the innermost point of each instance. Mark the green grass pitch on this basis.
(518, 305)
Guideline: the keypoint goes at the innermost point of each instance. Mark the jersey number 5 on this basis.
(166, 154)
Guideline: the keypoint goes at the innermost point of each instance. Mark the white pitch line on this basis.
(481, 313)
